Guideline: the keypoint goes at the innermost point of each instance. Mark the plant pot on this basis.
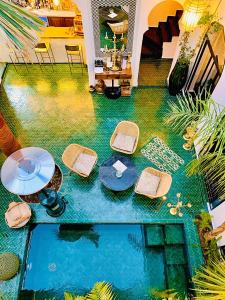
(8, 142)
(178, 78)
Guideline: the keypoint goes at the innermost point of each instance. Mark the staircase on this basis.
(154, 37)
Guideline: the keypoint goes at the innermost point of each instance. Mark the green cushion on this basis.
(175, 254)
(174, 234)
(9, 265)
(154, 235)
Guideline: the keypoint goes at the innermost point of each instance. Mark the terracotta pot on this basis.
(8, 142)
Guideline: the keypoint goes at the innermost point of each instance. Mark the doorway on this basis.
(159, 43)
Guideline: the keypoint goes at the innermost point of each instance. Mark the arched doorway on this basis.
(159, 43)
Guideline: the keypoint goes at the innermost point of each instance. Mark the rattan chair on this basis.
(80, 159)
(153, 183)
(18, 214)
(127, 133)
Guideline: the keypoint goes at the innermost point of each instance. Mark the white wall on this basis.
(218, 219)
(161, 11)
(85, 8)
(219, 91)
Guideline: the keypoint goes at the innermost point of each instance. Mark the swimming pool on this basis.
(133, 258)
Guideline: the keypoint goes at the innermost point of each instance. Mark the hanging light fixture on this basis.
(193, 11)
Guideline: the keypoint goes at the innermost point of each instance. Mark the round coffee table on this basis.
(107, 173)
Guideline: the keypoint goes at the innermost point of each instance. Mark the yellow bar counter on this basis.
(58, 37)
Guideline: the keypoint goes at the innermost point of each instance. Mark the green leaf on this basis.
(18, 25)
(101, 291)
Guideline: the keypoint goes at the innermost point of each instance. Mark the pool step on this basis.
(154, 235)
(174, 234)
(159, 235)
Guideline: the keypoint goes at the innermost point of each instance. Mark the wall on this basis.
(85, 8)
(219, 91)
(161, 11)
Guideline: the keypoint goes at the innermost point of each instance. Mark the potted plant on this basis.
(179, 73)
(209, 118)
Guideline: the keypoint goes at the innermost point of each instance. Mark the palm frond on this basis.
(69, 296)
(101, 291)
(212, 166)
(17, 25)
(185, 111)
(210, 281)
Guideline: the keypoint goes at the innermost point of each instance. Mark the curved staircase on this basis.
(154, 37)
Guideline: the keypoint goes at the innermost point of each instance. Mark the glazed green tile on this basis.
(52, 108)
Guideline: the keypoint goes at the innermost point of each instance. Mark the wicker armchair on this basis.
(125, 137)
(79, 159)
(18, 214)
(153, 183)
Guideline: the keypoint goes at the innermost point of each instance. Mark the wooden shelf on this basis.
(123, 74)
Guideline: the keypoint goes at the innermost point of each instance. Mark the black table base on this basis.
(113, 92)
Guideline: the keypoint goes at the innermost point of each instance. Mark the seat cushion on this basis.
(148, 184)
(84, 163)
(124, 142)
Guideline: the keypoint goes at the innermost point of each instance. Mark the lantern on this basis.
(193, 11)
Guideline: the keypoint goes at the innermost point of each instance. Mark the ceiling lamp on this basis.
(193, 11)
(56, 2)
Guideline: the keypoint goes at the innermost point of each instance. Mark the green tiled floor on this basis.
(52, 109)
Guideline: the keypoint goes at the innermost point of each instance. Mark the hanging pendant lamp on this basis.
(193, 11)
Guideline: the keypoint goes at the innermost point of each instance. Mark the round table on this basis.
(107, 173)
(27, 171)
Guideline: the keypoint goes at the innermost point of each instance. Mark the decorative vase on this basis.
(91, 88)
(178, 78)
(188, 146)
(100, 87)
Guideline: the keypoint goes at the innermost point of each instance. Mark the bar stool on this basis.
(43, 51)
(18, 57)
(74, 55)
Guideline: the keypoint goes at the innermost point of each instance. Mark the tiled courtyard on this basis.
(52, 108)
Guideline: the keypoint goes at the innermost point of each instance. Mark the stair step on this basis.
(150, 52)
(179, 14)
(173, 25)
(153, 35)
(165, 32)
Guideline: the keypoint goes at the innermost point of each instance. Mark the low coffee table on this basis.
(108, 176)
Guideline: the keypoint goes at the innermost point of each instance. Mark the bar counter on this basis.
(58, 37)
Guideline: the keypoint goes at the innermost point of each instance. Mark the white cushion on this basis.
(148, 183)
(84, 163)
(124, 142)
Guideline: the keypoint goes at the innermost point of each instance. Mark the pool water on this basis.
(74, 257)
